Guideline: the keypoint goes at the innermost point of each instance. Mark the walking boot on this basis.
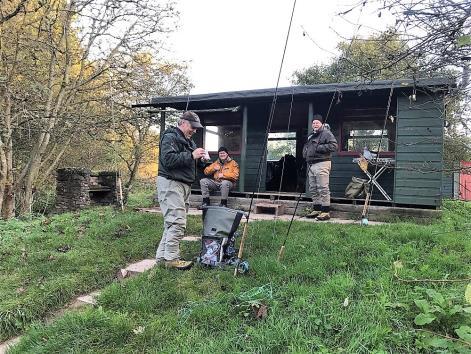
(324, 214)
(315, 212)
(223, 203)
(206, 202)
(179, 264)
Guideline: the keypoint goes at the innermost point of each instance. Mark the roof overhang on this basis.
(236, 97)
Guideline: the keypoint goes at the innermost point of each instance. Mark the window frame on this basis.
(344, 139)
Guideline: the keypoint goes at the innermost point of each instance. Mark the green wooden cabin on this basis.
(356, 112)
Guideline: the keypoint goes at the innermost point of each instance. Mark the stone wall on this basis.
(78, 188)
(72, 189)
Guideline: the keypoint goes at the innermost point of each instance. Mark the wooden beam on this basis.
(310, 116)
(243, 150)
(162, 123)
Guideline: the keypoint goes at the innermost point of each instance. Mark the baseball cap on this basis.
(192, 118)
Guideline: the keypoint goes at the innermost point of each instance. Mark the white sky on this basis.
(238, 44)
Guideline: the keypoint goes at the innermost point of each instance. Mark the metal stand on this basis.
(385, 164)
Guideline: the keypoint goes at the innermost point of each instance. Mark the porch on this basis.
(399, 120)
(341, 208)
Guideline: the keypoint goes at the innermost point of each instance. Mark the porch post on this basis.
(162, 129)
(310, 115)
(243, 150)
(309, 118)
(162, 122)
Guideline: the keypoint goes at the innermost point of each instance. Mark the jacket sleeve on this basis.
(233, 173)
(329, 144)
(209, 171)
(171, 154)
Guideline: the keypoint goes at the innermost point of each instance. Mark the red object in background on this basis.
(465, 180)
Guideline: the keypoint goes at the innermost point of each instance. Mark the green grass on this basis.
(207, 310)
(45, 262)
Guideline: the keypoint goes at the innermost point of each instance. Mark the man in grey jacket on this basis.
(317, 151)
(178, 159)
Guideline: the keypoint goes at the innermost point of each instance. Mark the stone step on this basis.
(9, 343)
(87, 300)
(139, 267)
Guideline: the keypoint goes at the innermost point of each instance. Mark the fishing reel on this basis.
(242, 267)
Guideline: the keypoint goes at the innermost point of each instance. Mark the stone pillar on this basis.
(72, 189)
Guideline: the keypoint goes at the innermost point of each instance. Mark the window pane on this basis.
(211, 139)
(358, 144)
(356, 135)
(367, 132)
(227, 136)
(279, 148)
(282, 135)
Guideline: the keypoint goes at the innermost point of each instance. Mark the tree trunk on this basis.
(8, 202)
(25, 192)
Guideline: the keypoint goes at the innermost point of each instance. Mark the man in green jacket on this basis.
(178, 159)
(318, 151)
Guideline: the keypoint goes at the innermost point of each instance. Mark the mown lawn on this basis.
(334, 291)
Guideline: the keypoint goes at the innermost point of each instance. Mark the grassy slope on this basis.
(209, 311)
(37, 276)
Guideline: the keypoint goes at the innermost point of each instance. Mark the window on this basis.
(227, 136)
(361, 134)
(281, 144)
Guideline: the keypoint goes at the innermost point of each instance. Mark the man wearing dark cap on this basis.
(177, 171)
(225, 172)
(318, 151)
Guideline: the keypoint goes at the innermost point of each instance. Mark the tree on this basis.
(361, 60)
(135, 134)
(10, 8)
(437, 34)
(55, 69)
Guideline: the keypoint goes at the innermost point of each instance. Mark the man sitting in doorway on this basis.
(225, 172)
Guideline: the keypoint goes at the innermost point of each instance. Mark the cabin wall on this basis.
(419, 151)
(343, 169)
(257, 121)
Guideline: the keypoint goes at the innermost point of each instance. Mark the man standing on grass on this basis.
(177, 171)
(317, 151)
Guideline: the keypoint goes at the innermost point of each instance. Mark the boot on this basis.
(223, 203)
(324, 214)
(316, 210)
(179, 264)
(206, 202)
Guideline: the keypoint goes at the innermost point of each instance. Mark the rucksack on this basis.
(219, 235)
(357, 188)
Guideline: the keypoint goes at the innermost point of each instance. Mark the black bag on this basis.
(357, 188)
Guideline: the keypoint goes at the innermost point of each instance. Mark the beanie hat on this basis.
(222, 148)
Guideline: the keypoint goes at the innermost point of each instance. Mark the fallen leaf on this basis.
(139, 330)
(260, 311)
(467, 294)
(63, 248)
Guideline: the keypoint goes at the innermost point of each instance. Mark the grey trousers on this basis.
(208, 185)
(318, 175)
(174, 202)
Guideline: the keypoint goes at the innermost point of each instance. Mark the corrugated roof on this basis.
(175, 101)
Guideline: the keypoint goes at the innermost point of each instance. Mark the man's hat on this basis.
(193, 118)
(222, 148)
(318, 117)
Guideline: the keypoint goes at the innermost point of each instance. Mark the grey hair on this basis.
(180, 121)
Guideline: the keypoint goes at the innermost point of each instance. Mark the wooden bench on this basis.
(99, 188)
(277, 209)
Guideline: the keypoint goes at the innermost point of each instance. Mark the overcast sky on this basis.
(238, 44)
